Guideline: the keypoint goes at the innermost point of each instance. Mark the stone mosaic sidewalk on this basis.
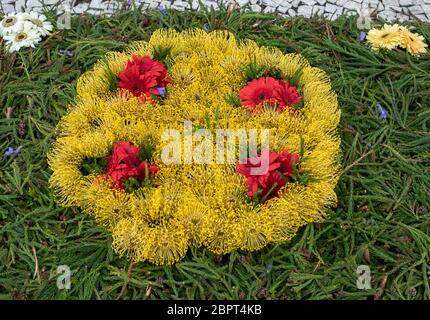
(389, 10)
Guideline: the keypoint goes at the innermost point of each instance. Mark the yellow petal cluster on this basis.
(393, 36)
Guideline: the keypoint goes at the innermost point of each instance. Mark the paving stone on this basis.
(426, 9)
(7, 8)
(330, 8)
(317, 10)
(242, 2)
(165, 4)
(305, 11)
(33, 3)
(284, 7)
(341, 3)
(352, 5)
(255, 7)
(19, 5)
(295, 3)
(292, 12)
(405, 3)
(416, 9)
(309, 2)
(422, 17)
(180, 4)
(80, 8)
(396, 9)
(48, 2)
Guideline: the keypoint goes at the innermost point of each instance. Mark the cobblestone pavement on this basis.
(389, 10)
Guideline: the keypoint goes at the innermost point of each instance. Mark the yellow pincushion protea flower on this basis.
(388, 37)
(412, 42)
(194, 204)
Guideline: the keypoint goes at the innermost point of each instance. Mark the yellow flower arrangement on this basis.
(187, 203)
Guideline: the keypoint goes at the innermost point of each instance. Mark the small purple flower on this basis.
(11, 151)
(66, 53)
(162, 10)
(383, 114)
(162, 91)
(367, 143)
(205, 27)
(422, 209)
(362, 36)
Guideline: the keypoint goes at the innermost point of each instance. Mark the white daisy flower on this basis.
(27, 36)
(39, 21)
(11, 23)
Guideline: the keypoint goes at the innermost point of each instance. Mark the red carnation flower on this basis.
(142, 76)
(267, 174)
(286, 95)
(125, 163)
(257, 92)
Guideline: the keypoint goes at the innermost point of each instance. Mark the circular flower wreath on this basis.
(108, 159)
